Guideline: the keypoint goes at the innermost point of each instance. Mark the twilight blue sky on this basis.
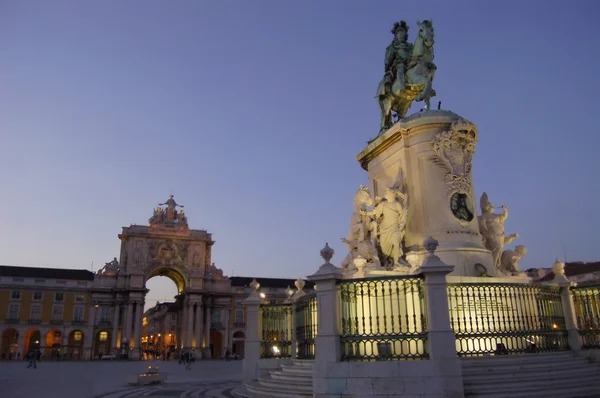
(251, 114)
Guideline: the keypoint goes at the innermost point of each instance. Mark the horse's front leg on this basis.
(426, 94)
(385, 104)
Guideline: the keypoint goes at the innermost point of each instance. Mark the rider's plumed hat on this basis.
(400, 25)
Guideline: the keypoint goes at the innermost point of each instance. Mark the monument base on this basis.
(428, 158)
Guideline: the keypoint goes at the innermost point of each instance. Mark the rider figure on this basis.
(397, 55)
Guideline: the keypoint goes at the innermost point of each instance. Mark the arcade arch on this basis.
(75, 345)
(9, 346)
(238, 341)
(33, 338)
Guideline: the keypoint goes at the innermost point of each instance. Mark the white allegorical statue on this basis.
(510, 259)
(358, 239)
(390, 217)
(491, 227)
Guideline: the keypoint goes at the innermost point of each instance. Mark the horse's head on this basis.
(426, 32)
(362, 197)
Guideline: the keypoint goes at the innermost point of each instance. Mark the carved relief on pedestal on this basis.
(453, 152)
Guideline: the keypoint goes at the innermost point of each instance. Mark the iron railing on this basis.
(276, 339)
(587, 312)
(383, 319)
(506, 318)
(305, 317)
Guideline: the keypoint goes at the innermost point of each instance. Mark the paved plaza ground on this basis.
(107, 379)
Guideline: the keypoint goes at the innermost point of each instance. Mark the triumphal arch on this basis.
(164, 247)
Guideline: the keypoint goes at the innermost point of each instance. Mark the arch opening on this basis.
(160, 335)
(9, 348)
(170, 273)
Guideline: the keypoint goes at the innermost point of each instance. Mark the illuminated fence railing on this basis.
(383, 319)
(306, 326)
(491, 318)
(276, 340)
(587, 311)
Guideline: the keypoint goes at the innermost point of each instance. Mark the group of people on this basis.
(187, 357)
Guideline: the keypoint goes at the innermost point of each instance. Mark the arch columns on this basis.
(198, 326)
(137, 339)
(115, 329)
(128, 322)
(206, 354)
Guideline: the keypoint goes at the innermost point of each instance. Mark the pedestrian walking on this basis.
(32, 360)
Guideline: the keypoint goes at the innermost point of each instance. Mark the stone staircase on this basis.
(531, 375)
(288, 381)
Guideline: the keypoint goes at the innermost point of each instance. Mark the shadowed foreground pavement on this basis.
(107, 379)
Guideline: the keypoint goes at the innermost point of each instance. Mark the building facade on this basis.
(77, 314)
(46, 309)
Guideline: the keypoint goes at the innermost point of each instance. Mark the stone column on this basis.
(198, 328)
(327, 343)
(184, 321)
(294, 347)
(91, 335)
(227, 338)
(128, 322)
(207, 354)
(92, 316)
(568, 307)
(21, 344)
(190, 324)
(137, 339)
(115, 329)
(441, 341)
(252, 343)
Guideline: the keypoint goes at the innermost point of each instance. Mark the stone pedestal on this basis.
(429, 157)
(250, 368)
(327, 343)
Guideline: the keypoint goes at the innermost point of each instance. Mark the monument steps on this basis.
(305, 386)
(295, 369)
(285, 382)
(531, 375)
(284, 376)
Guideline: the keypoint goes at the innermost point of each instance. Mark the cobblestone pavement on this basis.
(108, 379)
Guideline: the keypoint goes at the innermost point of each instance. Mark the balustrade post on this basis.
(253, 335)
(291, 324)
(327, 342)
(441, 341)
(568, 306)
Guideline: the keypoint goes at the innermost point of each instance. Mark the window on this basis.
(104, 314)
(79, 297)
(38, 295)
(57, 336)
(172, 339)
(59, 296)
(13, 311)
(57, 312)
(36, 312)
(16, 295)
(239, 316)
(173, 327)
(78, 314)
(216, 316)
(103, 336)
(173, 317)
(77, 336)
(272, 302)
